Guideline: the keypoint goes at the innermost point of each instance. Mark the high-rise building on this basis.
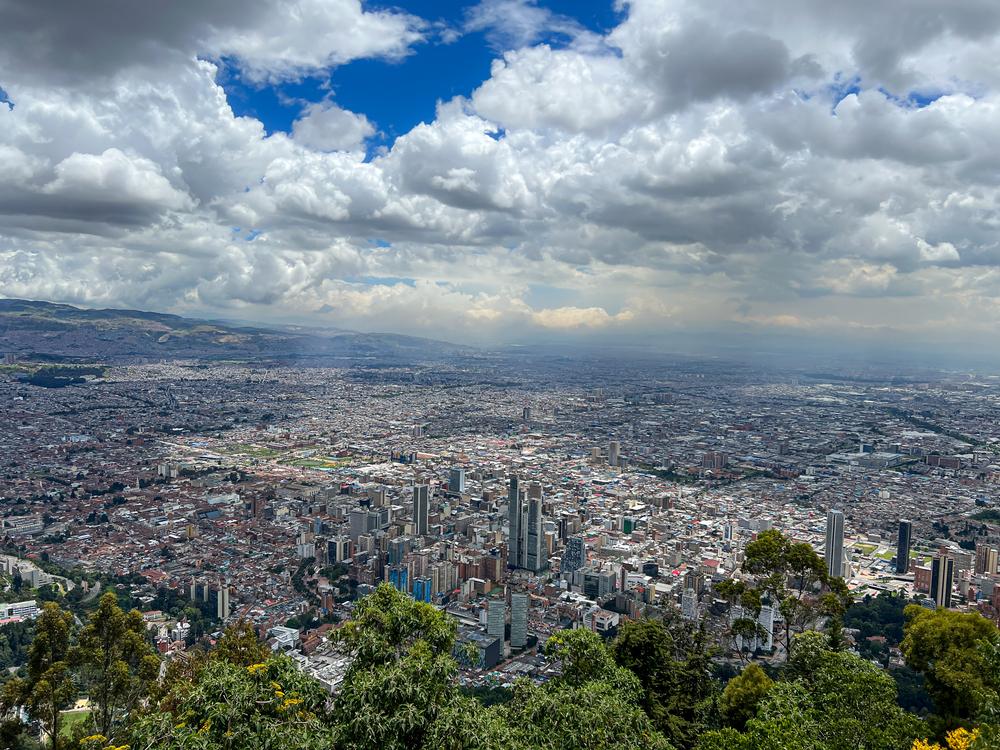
(526, 413)
(986, 559)
(689, 605)
(535, 558)
(421, 508)
(514, 550)
(399, 576)
(338, 549)
(422, 589)
(518, 620)
(397, 549)
(496, 618)
(942, 579)
(456, 480)
(903, 547)
(573, 557)
(613, 449)
(222, 601)
(715, 460)
(835, 544)
(358, 518)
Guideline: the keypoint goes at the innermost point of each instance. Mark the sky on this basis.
(512, 170)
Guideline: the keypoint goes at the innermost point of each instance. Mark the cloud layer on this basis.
(767, 163)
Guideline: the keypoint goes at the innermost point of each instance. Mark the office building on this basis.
(689, 605)
(835, 544)
(456, 480)
(986, 559)
(222, 602)
(338, 549)
(903, 542)
(535, 557)
(397, 550)
(496, 618)
(399, 578)
(27, 610)
(613, 449)
(514, 551)
(518, 620)
(573, 557)
(942, 579)
(421, 509)
(422, 589)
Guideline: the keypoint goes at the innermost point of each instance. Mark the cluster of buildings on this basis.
(562, 496)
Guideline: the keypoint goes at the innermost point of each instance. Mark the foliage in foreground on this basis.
(650, 688)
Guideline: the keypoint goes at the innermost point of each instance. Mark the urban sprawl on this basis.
(515, 495)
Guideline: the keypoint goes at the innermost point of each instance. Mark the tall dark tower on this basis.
(421, 508)
(515, 554)
(903, 547)
(942, 579)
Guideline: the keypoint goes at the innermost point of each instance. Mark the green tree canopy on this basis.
(48, 687)
(115, 662)
(946, 646)
(743, 694)
(263, 706)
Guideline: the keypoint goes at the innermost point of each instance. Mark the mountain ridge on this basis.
(35, 328)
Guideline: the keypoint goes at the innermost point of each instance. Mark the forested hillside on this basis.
(653, 686)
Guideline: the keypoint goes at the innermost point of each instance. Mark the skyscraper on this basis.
(222, 601)
(421, 508)
(534, 556)
(496, 617)
(835, 543)
(689, 605)
(573, 557)
(903, 547)
(456, 480)
(613, 453)
(518, 620)
(514, 553)
(422, 589)
(986, 559)
(942, 579)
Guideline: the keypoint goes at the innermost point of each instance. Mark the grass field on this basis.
(320, 463)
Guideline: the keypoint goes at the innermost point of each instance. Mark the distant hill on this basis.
(62, 333)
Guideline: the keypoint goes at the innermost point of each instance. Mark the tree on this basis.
(48, 687)
(946, 647)
(772, 559)
(743, 694)
(594, 704)
(240, 645)
(672, 661)
(832, 701)
(400, 681)
(231, 707)
(116, 662)
(858, 705)
(786, 720)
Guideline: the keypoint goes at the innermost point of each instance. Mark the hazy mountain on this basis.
(42, 330)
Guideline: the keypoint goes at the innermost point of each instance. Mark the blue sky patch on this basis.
(396, 95)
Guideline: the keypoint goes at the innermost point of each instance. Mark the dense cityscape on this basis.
(522, 498)
(499, 375)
